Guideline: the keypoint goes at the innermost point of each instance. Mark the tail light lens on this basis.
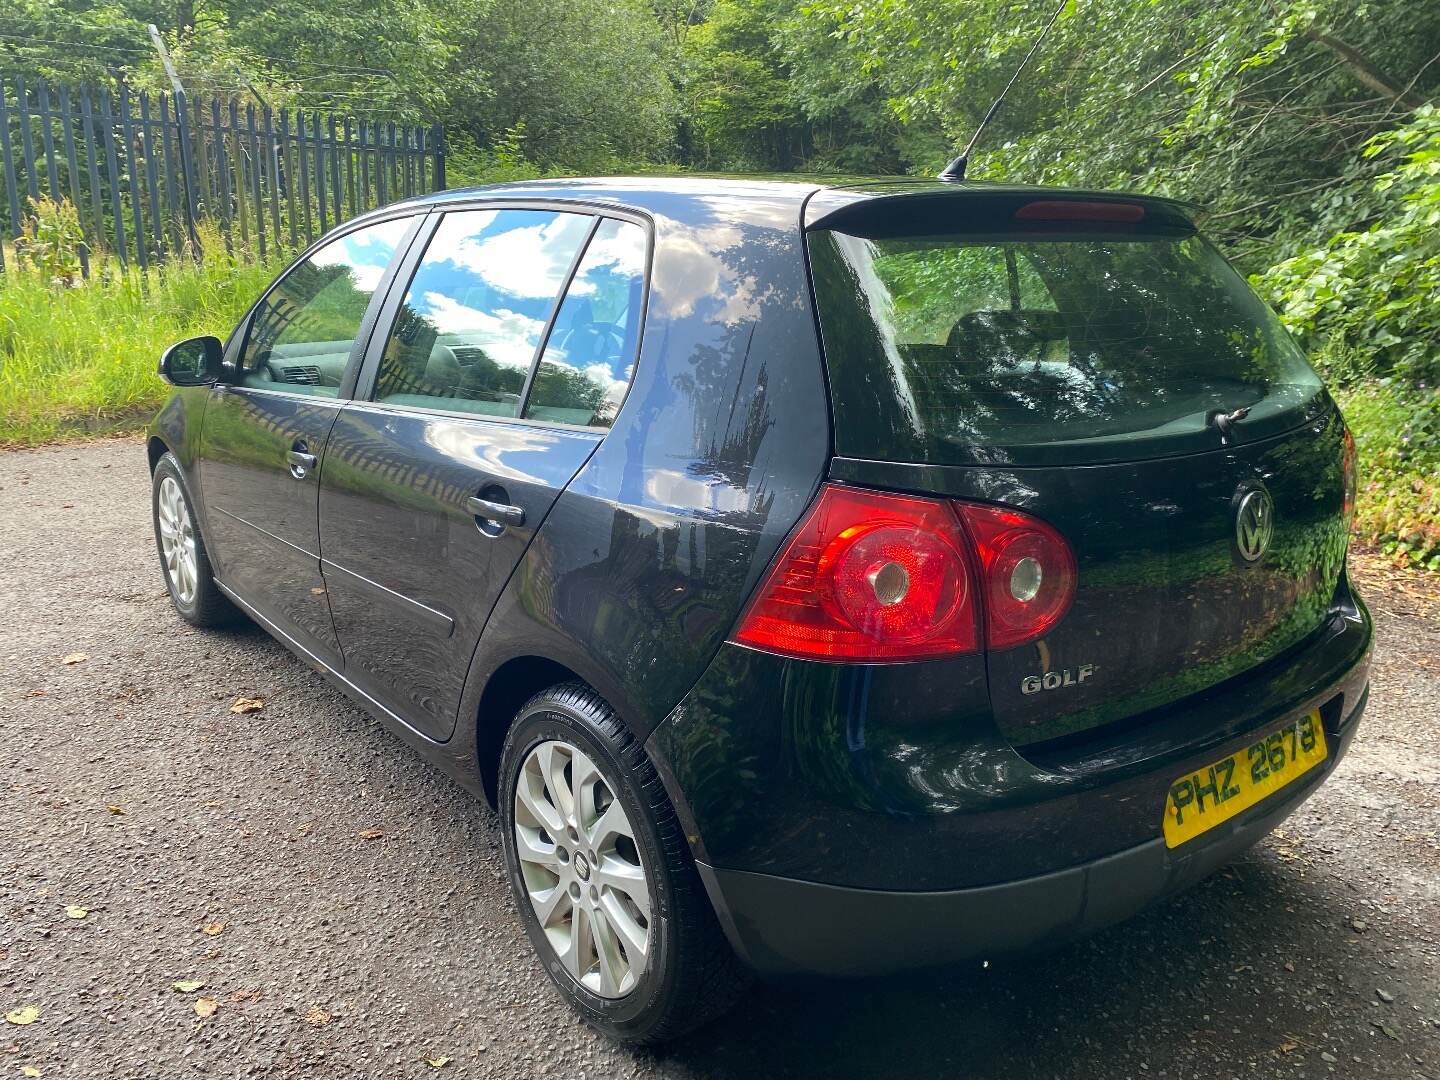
(1351, 472)
(1028, 571)
(874, 577)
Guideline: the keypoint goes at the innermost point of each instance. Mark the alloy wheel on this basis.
(582, 869)
(177, 540)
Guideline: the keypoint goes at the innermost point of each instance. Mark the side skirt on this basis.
(385, 715)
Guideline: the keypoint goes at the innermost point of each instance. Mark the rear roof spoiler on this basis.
(931, 208)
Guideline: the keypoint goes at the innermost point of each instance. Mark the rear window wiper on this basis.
(1225, 421)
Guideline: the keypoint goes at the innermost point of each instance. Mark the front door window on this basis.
(303, 332)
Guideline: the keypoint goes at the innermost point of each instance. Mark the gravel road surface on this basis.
(340, 904)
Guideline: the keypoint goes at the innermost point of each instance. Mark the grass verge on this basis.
(80, 360)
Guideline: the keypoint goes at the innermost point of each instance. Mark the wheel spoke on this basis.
(607, 951)
(627, 878)
(584, 777)
(634, 936)
(530, 848)
(547, 905)
(529, 792)
(552, 760)
(577, 955)
(611, 824)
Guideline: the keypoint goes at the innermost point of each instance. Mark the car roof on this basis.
(760, 192)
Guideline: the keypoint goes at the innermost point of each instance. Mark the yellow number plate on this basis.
(1201, 800)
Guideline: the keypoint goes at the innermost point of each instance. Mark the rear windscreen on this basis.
(943, 347)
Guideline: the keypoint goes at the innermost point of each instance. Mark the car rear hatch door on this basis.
(1091, 361)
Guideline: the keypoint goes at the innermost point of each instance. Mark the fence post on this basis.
(7, 162)
(182, 120)
(437, 149)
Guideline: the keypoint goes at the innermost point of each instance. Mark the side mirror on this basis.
(192, 362)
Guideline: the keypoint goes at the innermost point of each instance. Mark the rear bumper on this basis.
(783, 926)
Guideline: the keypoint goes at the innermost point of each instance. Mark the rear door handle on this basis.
(498, 512)
(300, 462)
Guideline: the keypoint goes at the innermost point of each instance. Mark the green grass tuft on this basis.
(82, 359)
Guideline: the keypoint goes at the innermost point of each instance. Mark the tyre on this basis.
(603, 877)
(183, 560)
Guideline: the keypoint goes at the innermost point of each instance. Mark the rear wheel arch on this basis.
(509, 687)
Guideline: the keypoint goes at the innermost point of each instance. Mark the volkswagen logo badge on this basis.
(1254, 523)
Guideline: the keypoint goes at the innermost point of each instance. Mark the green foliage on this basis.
(579, 84)
(1366, 300)
(51, 241)
(1397, 431)
(83, 359)
(1306, 128)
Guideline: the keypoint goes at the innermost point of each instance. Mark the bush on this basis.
(1397, 431)
(1366, 300)
(51, 240)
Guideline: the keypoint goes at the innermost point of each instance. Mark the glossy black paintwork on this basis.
(897, 777)
(889, 777)
(1164, 607)
(411, 575)
(650, 552)
(262, 533)
(648, 555)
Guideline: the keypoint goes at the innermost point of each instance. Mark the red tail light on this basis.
(1350, 464)
(1028, 571)
(874, 577)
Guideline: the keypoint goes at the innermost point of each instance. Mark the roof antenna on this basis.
(956, 169)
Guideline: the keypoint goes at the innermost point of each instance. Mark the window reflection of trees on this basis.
(1095, 336)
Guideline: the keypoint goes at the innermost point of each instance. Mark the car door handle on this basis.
(501, 513)
(300, 463)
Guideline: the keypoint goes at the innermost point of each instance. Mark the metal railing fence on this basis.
(143, 170)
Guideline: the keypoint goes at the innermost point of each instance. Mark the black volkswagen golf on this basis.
(833, 579)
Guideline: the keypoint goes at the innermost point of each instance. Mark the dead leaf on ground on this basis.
(114, 809)
(317, 1016)
(214, 928)
(187, 986)
(26, 1014)
(75, 658)
(370, 834)
(75, 911)
(205, 1007)
(245, 705)
(437, 1062)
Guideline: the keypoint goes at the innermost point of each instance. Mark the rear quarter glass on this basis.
(981, 337)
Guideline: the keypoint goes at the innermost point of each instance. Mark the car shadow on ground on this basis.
(1192, 985)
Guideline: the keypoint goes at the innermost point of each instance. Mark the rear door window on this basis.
(589, 356)
(475, 311)
(303, 331)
